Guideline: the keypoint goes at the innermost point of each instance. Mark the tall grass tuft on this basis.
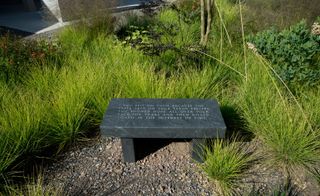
(226, 164)
(21, 129)
(309, 98)
(277, 121)
(34, 187)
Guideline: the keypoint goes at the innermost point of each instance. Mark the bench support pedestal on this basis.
(197, 151)
(128, 150)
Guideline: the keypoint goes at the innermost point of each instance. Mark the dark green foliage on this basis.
(189, 11)
(170, 39)
(18, 56)
(294, 52)
(149, 40)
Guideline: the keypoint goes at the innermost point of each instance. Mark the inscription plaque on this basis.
(163, 118)
(163, 112)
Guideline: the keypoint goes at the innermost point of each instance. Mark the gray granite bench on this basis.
(196, 119)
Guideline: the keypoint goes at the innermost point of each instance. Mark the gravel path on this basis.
(98, 169)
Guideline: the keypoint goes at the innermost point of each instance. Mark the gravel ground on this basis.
(96, 168)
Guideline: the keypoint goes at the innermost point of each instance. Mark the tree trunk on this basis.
(206, 20)
(203, 21)
(209, 20)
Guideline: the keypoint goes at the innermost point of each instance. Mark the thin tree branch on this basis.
(202, 3)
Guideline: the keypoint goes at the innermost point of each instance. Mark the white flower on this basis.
(252, 47)
(315, 28)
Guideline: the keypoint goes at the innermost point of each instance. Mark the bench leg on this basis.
(128, 150)
(197, 151)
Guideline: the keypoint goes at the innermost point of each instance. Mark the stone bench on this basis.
(195, 119)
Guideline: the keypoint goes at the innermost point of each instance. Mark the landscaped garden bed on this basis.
(53, 96)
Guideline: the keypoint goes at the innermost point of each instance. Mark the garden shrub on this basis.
(18, 56)
(294, 52)
(168, 40)
(189, 10)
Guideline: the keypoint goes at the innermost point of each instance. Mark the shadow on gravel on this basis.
(145, 147)
(286, 188)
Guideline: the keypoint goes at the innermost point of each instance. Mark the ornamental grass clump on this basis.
(226, 164)
(276, 117)
(21, 130)
(34, 186)
(309, 98)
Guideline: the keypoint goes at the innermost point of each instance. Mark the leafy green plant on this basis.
(294, 52)
(143, 39)
(226, 163)
(167, 39)
(189, 11)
